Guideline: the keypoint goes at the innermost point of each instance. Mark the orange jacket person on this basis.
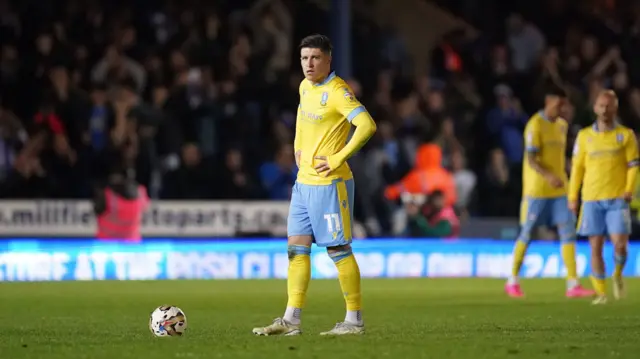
(426, 177)
(119, 208)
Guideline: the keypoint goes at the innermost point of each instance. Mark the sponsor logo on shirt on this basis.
(348, 95)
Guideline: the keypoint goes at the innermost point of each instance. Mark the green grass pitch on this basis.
(406, 319)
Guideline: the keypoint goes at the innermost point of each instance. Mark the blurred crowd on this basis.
(186, 97)
(197, 99)
(581, 46)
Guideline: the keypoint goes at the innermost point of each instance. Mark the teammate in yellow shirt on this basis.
(544, 199)
(605, 165)
(322, 199)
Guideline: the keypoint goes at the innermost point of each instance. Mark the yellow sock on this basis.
(568, 250)
(519, 251)
(299, 276)
(349, 276)
(620, 260)
(598, 283)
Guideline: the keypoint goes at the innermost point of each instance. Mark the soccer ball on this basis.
(167, 320)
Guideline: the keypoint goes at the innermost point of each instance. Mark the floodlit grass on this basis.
(406, 319)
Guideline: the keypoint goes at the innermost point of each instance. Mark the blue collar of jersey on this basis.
(326, 80)
(595, 127)
(544, 117)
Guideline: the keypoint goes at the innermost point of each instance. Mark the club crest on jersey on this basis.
(325, 97)
(619, 138)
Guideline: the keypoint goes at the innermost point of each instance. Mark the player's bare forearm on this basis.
(554, 180)
(536, 165)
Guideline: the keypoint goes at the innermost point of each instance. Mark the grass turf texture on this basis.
(409, 318)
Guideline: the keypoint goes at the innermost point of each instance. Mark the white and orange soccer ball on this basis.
(168, 320)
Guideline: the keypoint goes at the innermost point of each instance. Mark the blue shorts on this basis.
(322, 211)
(550, 212)
(600, 218)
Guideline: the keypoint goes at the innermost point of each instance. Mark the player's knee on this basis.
(567, 233)
(619, 241)
(596, 244)
(339, 253)
(305, 240)
(298, 250)
(620, 247)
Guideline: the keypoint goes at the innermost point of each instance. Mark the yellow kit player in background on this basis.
(605, 165)
(544, 196)
(322, 199)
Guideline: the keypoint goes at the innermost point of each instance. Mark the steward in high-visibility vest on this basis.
(119, 208)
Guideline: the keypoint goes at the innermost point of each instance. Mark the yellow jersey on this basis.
(323, 125)
(548, 141)
(635, 203)
(605, 163)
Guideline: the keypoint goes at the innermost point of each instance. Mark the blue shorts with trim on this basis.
(322, 211)
(550, 212)
(606, 217)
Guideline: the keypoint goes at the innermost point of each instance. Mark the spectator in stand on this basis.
(193, 179)
(119, 208)
(13, 137)
(433, 219)
(505, 123)
(96, 132)
(279, 175)
(465, 181)
(235, 180)
(9, 73)
(526, 43)
(499, 199)
(427, 176)
(447, 59)
(204, 90)
(412, 124)
(115, 67)
(389, 157)
(447, 141)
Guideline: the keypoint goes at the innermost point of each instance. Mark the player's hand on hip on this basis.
(555, 181)
(326, 165)
(573, 206)
(628, 197)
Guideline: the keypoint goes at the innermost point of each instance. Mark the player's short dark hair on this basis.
(317, 41)
(554, 90)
